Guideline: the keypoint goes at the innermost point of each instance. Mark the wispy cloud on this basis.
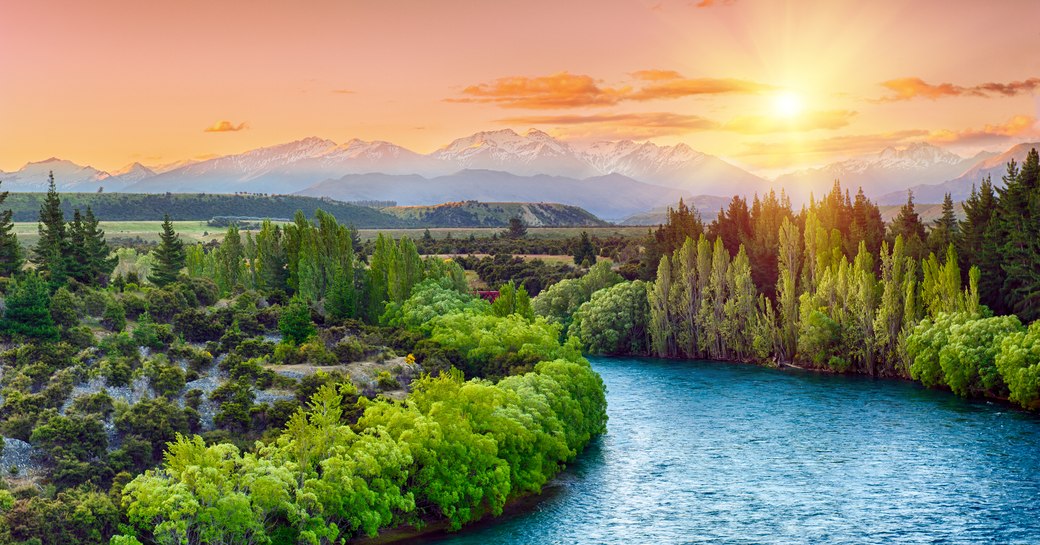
(225, 126)
(710, 3)
(911, 88)
(343, 91)
(1017, 127)
(566, 90)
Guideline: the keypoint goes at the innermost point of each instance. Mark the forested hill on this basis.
(496, 214)
(200, 206)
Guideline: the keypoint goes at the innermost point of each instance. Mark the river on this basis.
(704, 452)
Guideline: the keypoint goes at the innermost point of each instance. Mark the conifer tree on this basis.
(10, 250)
(77, 264)
(908, 224)
(170, 256)
(27, 309)
(99, 258)
(978, 213)
(584, 251)
(945, 229)
(50, 253)
(1019, 219)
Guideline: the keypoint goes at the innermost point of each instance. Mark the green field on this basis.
(532, 232)
(198, 231)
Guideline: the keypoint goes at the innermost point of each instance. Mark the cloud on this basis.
(566, 90)
(343, 91)
(835, 145)
(911, 88)
(807, 121)
(1017, 126)
(710, 3)
(225, 126)
(561, 90)
(631, 125)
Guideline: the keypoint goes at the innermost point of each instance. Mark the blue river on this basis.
(705, 452)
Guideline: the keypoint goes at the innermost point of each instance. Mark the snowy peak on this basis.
(133, 172)
(916, 155)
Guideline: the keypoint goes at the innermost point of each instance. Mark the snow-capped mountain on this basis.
(959, 187)
(68, 176)
(892, 169)
(678, 166)
(532, 153)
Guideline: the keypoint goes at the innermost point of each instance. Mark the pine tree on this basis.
(1020, 218)
(77, 264)
(978, 214)
(908, 224)
(170, 256)
(99, 258)
(51, 251)
(10, 250)
(28, 309)
(517, 228)
(584, 251)
(945, 229)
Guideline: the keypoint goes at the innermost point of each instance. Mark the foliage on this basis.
(27, 310)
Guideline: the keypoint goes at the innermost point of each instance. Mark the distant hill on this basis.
(496, 214)
(193, 206)
(609, 197)
(707, 206)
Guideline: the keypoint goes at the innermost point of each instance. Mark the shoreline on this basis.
(438, 529)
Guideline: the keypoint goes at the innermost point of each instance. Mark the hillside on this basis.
(609, 197)
(496, 214)
(707, 206)
(193, 206)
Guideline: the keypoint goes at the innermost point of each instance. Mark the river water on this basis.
(703, 452)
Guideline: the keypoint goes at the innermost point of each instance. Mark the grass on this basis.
(199, 231)
(487, 232)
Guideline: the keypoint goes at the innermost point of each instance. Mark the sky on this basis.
(770, 85)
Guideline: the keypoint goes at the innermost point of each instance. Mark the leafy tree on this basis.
(614, 320)
(27, 310)
(1019, 365)
(512, 299)
(170, 256)
(229, 261)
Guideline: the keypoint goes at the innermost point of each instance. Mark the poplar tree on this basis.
(11, 257)
(50, 252)
(789, 258)
(229, 260)
(660, 319)
(170, 256)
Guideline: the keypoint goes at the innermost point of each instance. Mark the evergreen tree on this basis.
(1019, 216)
(98, 254)
(10, 250)
(51, 251)
(908, 224)
(27, 310)
(170, 256)
(978, 213)
(584, 251)
(517, 228)
(295, 322)
(77, 264)
(945, 229)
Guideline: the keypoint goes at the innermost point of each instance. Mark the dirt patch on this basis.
(368, 376)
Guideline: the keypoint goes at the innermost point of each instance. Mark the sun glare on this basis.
(787, 104)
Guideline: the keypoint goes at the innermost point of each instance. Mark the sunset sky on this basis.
(769, 85)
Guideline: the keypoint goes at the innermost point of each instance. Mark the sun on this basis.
(787, 104)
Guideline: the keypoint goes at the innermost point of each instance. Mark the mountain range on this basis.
(613, 180)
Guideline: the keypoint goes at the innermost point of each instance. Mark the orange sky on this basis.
(110, 82)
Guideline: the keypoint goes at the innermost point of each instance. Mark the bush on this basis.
(198, 326)
(295, 322)
(134, 305)
(66, 308)
(115, 316)
(349, 350)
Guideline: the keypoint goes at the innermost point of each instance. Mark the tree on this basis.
(517, 228)
(11, 257)
(97, 255)
(1019, 219)
(615, 320)
(945, 229)
(295, 322)
(512, 299)
(51, 251)
(170, 256)
(971, 247)
(229, 261)
(908, 224)
(27, 310)
(584, 251)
